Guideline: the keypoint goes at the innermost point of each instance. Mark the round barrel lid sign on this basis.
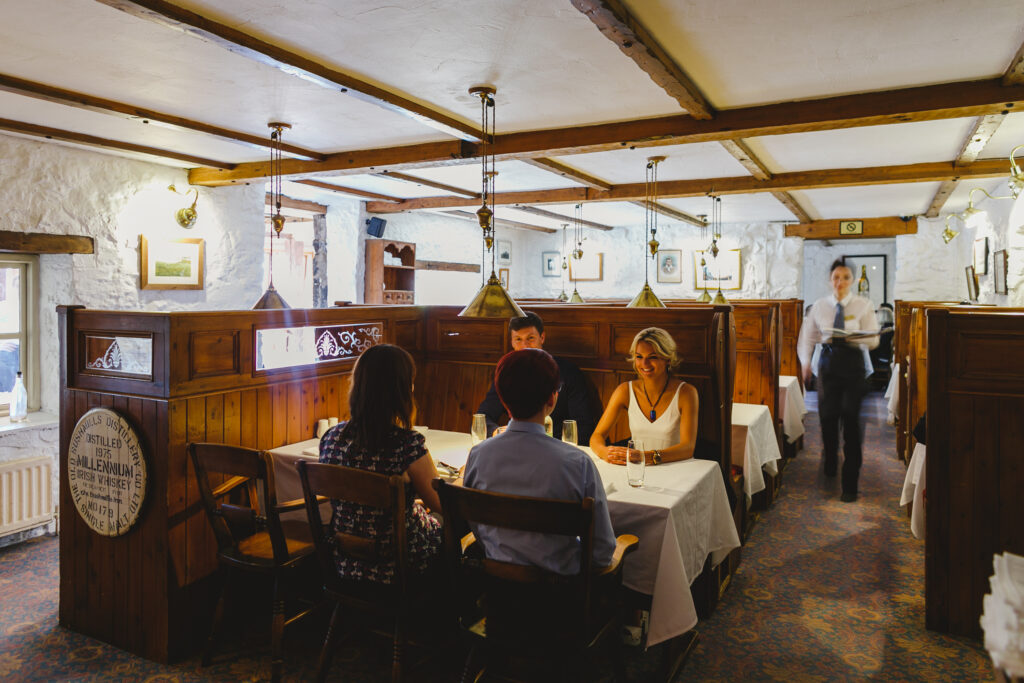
(106, 472)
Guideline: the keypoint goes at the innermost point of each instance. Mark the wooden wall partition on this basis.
(975, 458)
(139, 591)
(460, 355)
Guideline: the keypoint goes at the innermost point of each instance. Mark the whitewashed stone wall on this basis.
(819, 256)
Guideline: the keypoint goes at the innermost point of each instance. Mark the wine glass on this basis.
(635, 463)
(479, 430)
(569, 431)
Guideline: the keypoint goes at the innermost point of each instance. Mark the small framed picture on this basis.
(972, 283)
(550, 263)
(504, 252)
(590, 267)
(999, 271)
(981, 256)
(670, 265)
(171, 264)
(724, 272)
(503, 276)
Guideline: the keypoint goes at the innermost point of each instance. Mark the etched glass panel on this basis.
(289, 347)
(119, 355)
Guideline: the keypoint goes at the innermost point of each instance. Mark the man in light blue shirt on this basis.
(524, 461)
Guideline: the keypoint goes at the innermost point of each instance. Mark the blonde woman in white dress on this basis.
(662, 409)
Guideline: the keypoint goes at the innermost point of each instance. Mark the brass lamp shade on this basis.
(492, 301)
(563, 297)
(576, 298)
(719, 299)
(646, 299)
(704, 297)
(270, 300)
(948, 234)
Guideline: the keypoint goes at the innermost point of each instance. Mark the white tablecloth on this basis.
(754, 445)
(791, 404)
(913, 490)
(892, 394)
(681, 515)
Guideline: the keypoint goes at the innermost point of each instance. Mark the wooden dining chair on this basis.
(509, 610)
(396, 601)
(251, 537)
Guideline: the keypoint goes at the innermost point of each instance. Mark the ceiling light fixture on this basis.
(563, 297)
(271, 299)
(716, 234)
(704, 297)
(647, 298)
(577, 253)
(186, 216)
(492, 301)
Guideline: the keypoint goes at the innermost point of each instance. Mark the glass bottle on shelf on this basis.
(863, 286)
(19, 401)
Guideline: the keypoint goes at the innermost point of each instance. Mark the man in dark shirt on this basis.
(527, 332)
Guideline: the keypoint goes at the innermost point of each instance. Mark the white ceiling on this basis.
(552, 68)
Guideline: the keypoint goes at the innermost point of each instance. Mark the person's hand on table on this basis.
(616, 455)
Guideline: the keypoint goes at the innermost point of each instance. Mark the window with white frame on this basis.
(17, 326)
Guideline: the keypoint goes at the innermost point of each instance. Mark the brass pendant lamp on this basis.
(577, 253)
(492, 301)
(704, 297)
(647, 298)
(271, 299)
(563, 297)
(716, 234)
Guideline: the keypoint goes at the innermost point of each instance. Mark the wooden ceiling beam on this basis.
(933, 102)
(566, 171)
(790, 202)
(106, 143)
(298, 204)
(889, 226)
(251, 47)
(561, 217)
(982, 131)
(499, 222)
(669, 212)
(429, 183)
(619, 26)
(1014, 74)
(14, 242)
(366, 194)
(79, 100)
(739, 149)
(780, 182)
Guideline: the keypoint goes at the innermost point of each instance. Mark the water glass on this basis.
(479, 430)
(569, 431)
(321, 428)
(635, 463)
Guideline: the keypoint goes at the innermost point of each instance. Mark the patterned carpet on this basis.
(827, 591)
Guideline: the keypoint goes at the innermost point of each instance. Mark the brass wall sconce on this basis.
(186, 216)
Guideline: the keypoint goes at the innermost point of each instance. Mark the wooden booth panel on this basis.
(572, 339)
(217, 352)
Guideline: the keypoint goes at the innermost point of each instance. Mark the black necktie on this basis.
(839, 322)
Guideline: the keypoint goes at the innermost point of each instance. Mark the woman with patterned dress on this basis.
(662, 410)
(379, 437)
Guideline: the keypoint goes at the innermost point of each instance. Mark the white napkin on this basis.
(1002, 617)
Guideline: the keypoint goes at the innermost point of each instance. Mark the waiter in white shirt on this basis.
(841, 368)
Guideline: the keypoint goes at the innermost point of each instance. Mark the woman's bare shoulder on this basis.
(688, 393)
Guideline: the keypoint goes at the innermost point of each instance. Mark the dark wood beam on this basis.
(429, 183)
(569, 172)
(780, 182)
(106, 143)
(561, 217)
(945, 101)
(982, 131)
(1015, 72)
(282, 59)
(12, 242)
(298, 204)
(331, 187)
(790, 202)
(742, 153)
(499, 222)
(79, 100)
(446, 265)
(669, 212)
(619, 26)
(890, 226)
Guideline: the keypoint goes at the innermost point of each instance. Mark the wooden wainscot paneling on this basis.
(571, 339)
(692, 348)
(975, 458)
(408, 334)
(455, 336)
(217, 352)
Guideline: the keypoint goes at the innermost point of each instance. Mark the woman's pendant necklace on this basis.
(644, 387)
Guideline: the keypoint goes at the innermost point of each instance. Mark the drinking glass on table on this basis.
(479, 430)
(569, 431)
(635, 463)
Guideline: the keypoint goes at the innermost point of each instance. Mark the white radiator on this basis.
(26, 498)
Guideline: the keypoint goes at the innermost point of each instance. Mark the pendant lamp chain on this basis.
(270, 298)
(647, 298)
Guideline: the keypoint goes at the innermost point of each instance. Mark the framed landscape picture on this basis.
(724, 272)
(670, 265)
(590, 267)
(550, 263)
(171, 264)
(999, 271)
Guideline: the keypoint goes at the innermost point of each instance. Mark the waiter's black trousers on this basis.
(841, 387)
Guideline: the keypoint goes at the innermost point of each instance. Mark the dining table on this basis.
(681, 516)
(792, 407)
(754, 445)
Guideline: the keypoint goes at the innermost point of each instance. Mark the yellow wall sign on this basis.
(851, 227)
(106, 472)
